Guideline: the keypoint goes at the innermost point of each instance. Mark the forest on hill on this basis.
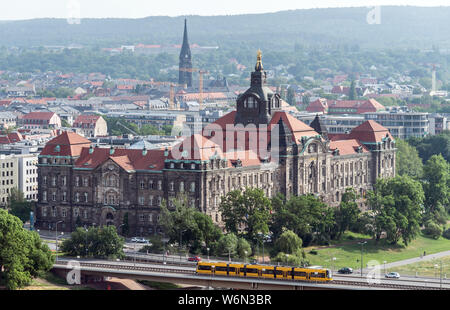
(398, 27)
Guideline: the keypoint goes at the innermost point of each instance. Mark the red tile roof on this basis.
(128, 159)
(70, 144)
(348, 147)
(86, 119)
(370, 131)
(39, 115)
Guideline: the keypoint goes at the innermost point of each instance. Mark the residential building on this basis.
(91, 126)
(40, 120)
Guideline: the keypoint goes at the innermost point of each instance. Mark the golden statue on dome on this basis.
(259, 65)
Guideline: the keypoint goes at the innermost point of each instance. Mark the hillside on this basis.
(400, 27)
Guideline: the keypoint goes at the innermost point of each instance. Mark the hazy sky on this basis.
(27, 9)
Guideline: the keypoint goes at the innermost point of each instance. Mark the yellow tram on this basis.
(313, 274)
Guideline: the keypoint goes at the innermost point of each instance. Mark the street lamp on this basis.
(181, 232)
(332, 266)
(384, 267)
(85, 228)
(164, 241)
(362, 243)
(56, 238)
(207, 249)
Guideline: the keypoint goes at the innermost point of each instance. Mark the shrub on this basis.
(313, 252)
(432, 229)
(446, 234)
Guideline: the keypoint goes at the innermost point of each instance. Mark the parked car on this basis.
(194, 259)
(140, 240)
(393, 275)
(345, 270)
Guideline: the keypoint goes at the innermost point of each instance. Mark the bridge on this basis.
(186, 275)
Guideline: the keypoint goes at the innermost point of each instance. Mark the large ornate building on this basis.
(258, 146)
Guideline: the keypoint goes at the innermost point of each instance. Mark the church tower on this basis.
(185, 67)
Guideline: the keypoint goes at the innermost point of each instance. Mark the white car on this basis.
(140, 240)
(393, 275)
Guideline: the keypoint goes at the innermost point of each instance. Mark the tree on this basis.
(98, 242)
(307, 216)
(352, 95)
(243, 248)
(435, 183)
(290, 98)
(288, 242)
(432, 229)
(126, 225)
(18, 205)
(348, 212)
(227, 245)
(195, 228)
(396, 208)
(23, 255)
(250, 209)
(408, 160)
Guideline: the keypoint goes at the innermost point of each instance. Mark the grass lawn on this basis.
(348, 253)
(48, 281)
(426, 268)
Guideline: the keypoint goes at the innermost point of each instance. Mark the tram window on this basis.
(232, 269)
(223, 269)
(204, 267)
(268, 271)
(279, 272)
(317, 275)
(252, 270)
(299, 273)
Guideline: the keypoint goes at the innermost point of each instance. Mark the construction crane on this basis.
(200, 82)
(172, 91)
(172, 94)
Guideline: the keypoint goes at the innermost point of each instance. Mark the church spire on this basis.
(185, 68)
(185, 48)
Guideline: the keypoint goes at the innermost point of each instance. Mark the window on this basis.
(44, 196)
(53, 181)
(77, 197)
(64, 196)
(192, 187)
(159, 185)
(77, 181)
(54, 196)
(86, 182)
(64, 180)
(150, 200)
(142, 184)
(181, 186)
(141, 200)
(86, 196)
(171, 186)
(64, 213)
